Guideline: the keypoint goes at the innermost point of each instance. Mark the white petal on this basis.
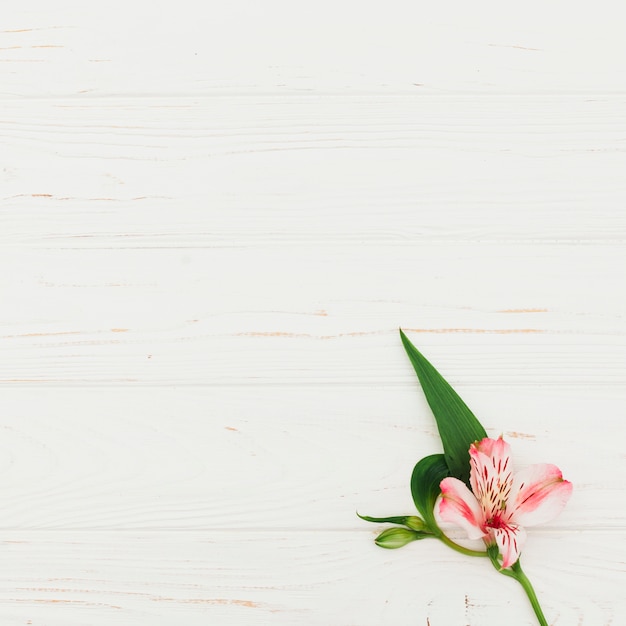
(459, 506)
(510, 540)
(538, 495)
(491, 474)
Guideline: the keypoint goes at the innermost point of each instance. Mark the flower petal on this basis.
(491, 474)
(538, 495)
(493, 447)
(510, 539)
(459, 506)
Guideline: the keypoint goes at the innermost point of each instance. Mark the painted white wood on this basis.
(279, 46)
(496, 313)
(212, 222)
(270, 170)
(62, 578)
(310, 577)
(261, 457)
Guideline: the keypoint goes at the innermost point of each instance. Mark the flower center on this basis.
(496, 522)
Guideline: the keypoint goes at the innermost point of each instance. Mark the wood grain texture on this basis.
(243, 172)
(213, 221)
(302, 458)
(244, 47)
(297, 315)
(303, 578)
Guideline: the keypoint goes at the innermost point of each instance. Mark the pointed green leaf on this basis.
(427, 475)
(458, 427)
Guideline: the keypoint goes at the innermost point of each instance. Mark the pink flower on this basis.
(502, 502)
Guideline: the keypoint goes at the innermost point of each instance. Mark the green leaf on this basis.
(458, 426)
(411, 521)
(427, 475)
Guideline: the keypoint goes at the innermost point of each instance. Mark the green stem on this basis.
(461, 549)
(530, 592)
(515, 571)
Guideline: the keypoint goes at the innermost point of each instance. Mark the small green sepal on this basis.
(494, 555)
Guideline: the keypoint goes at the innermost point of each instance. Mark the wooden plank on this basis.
(307, 578)
(294, 458)
(242, 46)
(486, 314)
(307, 170)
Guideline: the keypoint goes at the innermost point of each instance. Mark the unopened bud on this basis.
(396, 538)
(415, 523)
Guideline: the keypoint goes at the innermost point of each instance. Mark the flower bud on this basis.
(415, 523)
(396, 538)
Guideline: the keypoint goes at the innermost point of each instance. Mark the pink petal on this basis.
(510, 539)
(459, 506)
(491, 474)
(492, 447)
(538, 495)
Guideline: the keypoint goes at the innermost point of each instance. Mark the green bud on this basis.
(411, 521)
(415, 523)
(396, 538)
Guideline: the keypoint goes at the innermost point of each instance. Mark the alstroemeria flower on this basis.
(502, 502)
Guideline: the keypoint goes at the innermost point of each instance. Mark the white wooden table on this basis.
(213, 219)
